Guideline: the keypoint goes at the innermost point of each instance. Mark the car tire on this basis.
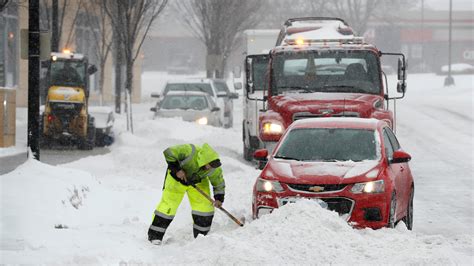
(408, 219)
(392, 219)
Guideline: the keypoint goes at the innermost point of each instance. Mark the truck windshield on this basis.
(329, 144)
(328, 71)
(68, 73)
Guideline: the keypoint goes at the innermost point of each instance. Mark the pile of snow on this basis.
(461, 68)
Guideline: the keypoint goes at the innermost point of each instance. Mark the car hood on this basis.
(186, 115)
(290, 171)
(319, 102)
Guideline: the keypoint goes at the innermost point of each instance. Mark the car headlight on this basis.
(369, 187)
(272, 128)
(268, 186)
(202, 121)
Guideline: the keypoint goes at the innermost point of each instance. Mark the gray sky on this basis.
(444, 4)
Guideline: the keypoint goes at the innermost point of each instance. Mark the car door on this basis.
(396, 172)
(405, 184)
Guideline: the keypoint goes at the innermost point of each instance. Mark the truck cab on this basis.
(318, 69)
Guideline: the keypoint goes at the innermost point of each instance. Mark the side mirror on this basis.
(402, 75)
(234, 95)
(401, 86)
(400, 157)
(215, 109)
(92, 69)
(260, 154)
(238, 85)
(153, 109)
(237, 72)
(155, 95)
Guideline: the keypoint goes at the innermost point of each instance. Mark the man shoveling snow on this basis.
(190, 168)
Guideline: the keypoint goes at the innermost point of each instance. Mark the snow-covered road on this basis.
(107, 201)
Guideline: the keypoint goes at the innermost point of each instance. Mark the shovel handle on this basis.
(221, 208)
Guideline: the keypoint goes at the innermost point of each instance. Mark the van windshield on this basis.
(328, 71)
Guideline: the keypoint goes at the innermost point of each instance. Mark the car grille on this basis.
(339, 205)
(303, 115)
(316, 188)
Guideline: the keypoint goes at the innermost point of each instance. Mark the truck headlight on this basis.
(272, 128)
(268, 186)
(202, 121)
(368, 187)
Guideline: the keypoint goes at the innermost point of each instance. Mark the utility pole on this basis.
(55, 27)
(33, 78)
(449, 79)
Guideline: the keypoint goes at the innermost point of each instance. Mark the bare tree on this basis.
(217, 24)
(358, 13)
(102, 37)
(132, 21)
(4, 4)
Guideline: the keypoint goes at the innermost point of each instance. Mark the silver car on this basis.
(191, 106)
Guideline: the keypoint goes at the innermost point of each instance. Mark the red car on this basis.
(353, 166)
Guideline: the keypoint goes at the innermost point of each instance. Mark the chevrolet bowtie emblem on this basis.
(326, 111)
(316, 188)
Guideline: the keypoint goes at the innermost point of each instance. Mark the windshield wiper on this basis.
(286, 157)
(297, 88)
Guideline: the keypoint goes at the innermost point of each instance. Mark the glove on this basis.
(219, 197)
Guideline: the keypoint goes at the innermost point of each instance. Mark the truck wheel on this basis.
(88, 142)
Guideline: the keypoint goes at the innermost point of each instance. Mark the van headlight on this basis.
(202, 121)
(368, 187)
(268, 186)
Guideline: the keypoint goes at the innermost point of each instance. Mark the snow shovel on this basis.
(221, 208)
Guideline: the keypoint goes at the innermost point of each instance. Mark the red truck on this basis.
(318, 68)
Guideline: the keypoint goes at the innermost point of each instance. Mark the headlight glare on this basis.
(202, 121)
(268, 186)
(272, 128)
(369, 187)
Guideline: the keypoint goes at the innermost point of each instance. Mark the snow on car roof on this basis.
(196, 93)
(100, 109)
(338, 122)
(193, 80)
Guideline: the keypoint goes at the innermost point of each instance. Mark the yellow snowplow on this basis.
(66, 119)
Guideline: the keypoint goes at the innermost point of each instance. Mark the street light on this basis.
(449, 79)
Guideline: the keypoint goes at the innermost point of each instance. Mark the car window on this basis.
(388, 145)
(195, 102)
(393, 139)
(329, 144)
(204, 87)
(221, 87)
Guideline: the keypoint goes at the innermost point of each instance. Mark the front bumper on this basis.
(359, 210)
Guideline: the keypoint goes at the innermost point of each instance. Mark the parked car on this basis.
(216, 88)
(104, 122)
(193, 106)
(353, 166)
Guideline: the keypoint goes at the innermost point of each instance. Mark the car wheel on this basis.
(408, 219)
(392, 219)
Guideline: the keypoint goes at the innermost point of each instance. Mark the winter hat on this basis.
(206, 155)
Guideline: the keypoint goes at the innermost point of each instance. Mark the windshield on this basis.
(328, 71)
(195, 102)
(328, 144)
(68, 73)
(203, 87)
